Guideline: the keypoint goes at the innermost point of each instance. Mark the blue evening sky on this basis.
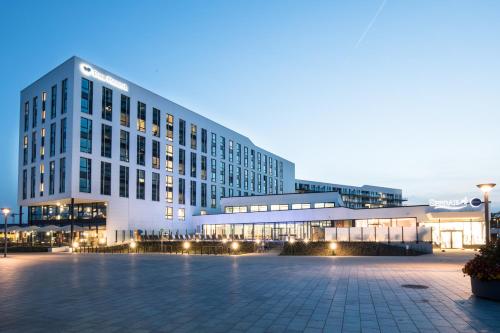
(397, 93)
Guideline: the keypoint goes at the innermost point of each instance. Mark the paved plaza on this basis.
(253, 293)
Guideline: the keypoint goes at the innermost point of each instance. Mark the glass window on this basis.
(231, 151)
(301, 206)
(53, 102)
(106, 140)
(181, 214)
(193, 164)
(182, 191)
(141, 184)
(238, 153)
(245, 180)
(279, 207)
(124, 181)
(85, 135)
(141, 150)
(259, 166)
(213, 196)
(64, 96)
(169, 166)
(252, 159)
(87, 96)
(156, 154)
(238, 177)
(42, 143)
(245, 157)
(125, 111)
(141, 117)
(63, 136)
(213, 170)
(193, 193)
(222, 171)
(107, 104)
(222, 147)
(26, 116)
(169, 213)
(44, 105)
(25, 184)
(156, 123)
(52, 139)
(25, 150)
(85, 175)
(105, 178)
(258, 208)
(33, 147)
(169, 181)
(42, 171)
(124, 146)
(203, 140)
(182, 161)
(170, 127)
(213, 145)
(231, 175)
(194, 133)
(33, 182)
(203, 167)
(203, 195)
(182, 132)
(52, 172)
(35, 112)
(155, 187)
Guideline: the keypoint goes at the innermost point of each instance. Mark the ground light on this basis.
(486, 188)
(291, 241)
(76, 244)
(235, 246)
(306, 240)
(133, 244)
(5, 212)
(333, 245)
(257, 241)
(186, 245)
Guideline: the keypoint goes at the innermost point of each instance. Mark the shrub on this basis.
(486, 264)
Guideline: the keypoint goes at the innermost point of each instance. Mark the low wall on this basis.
(353, 249)
(176, 247)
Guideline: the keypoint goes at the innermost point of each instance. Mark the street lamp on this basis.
(486, 188)
(5, 212)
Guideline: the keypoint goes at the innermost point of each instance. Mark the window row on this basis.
(44, 177)
(35, 149)
(277, 207)
(43, 106)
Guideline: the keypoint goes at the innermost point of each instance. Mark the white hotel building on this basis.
(101, 152)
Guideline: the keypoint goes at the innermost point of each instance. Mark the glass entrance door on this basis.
(451, 239)
(457, 239)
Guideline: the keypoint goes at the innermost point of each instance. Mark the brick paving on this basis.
(255, 293)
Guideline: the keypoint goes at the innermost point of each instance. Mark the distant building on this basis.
(366, 196)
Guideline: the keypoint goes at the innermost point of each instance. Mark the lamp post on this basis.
(5, 212)
(486, 188)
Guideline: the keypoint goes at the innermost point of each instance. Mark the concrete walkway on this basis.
(168, 293)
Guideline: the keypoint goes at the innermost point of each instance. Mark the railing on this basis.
(379, 234)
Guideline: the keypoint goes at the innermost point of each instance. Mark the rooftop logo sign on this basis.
(454, 204)
(87, 70)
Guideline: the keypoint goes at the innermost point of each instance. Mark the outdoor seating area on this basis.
(51, 236)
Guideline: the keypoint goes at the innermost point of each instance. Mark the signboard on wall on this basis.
(455, 204)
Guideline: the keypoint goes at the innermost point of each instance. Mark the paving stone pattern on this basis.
(254, 293)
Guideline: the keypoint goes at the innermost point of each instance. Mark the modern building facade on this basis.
(306, 216)
(366, 196)
(98, 150)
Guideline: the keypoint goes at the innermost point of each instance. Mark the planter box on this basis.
(486, 289)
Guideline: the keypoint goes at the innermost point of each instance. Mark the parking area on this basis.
(253, 293)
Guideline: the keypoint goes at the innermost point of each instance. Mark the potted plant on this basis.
(484, 271)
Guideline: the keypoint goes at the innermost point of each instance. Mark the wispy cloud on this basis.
(369, 26)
